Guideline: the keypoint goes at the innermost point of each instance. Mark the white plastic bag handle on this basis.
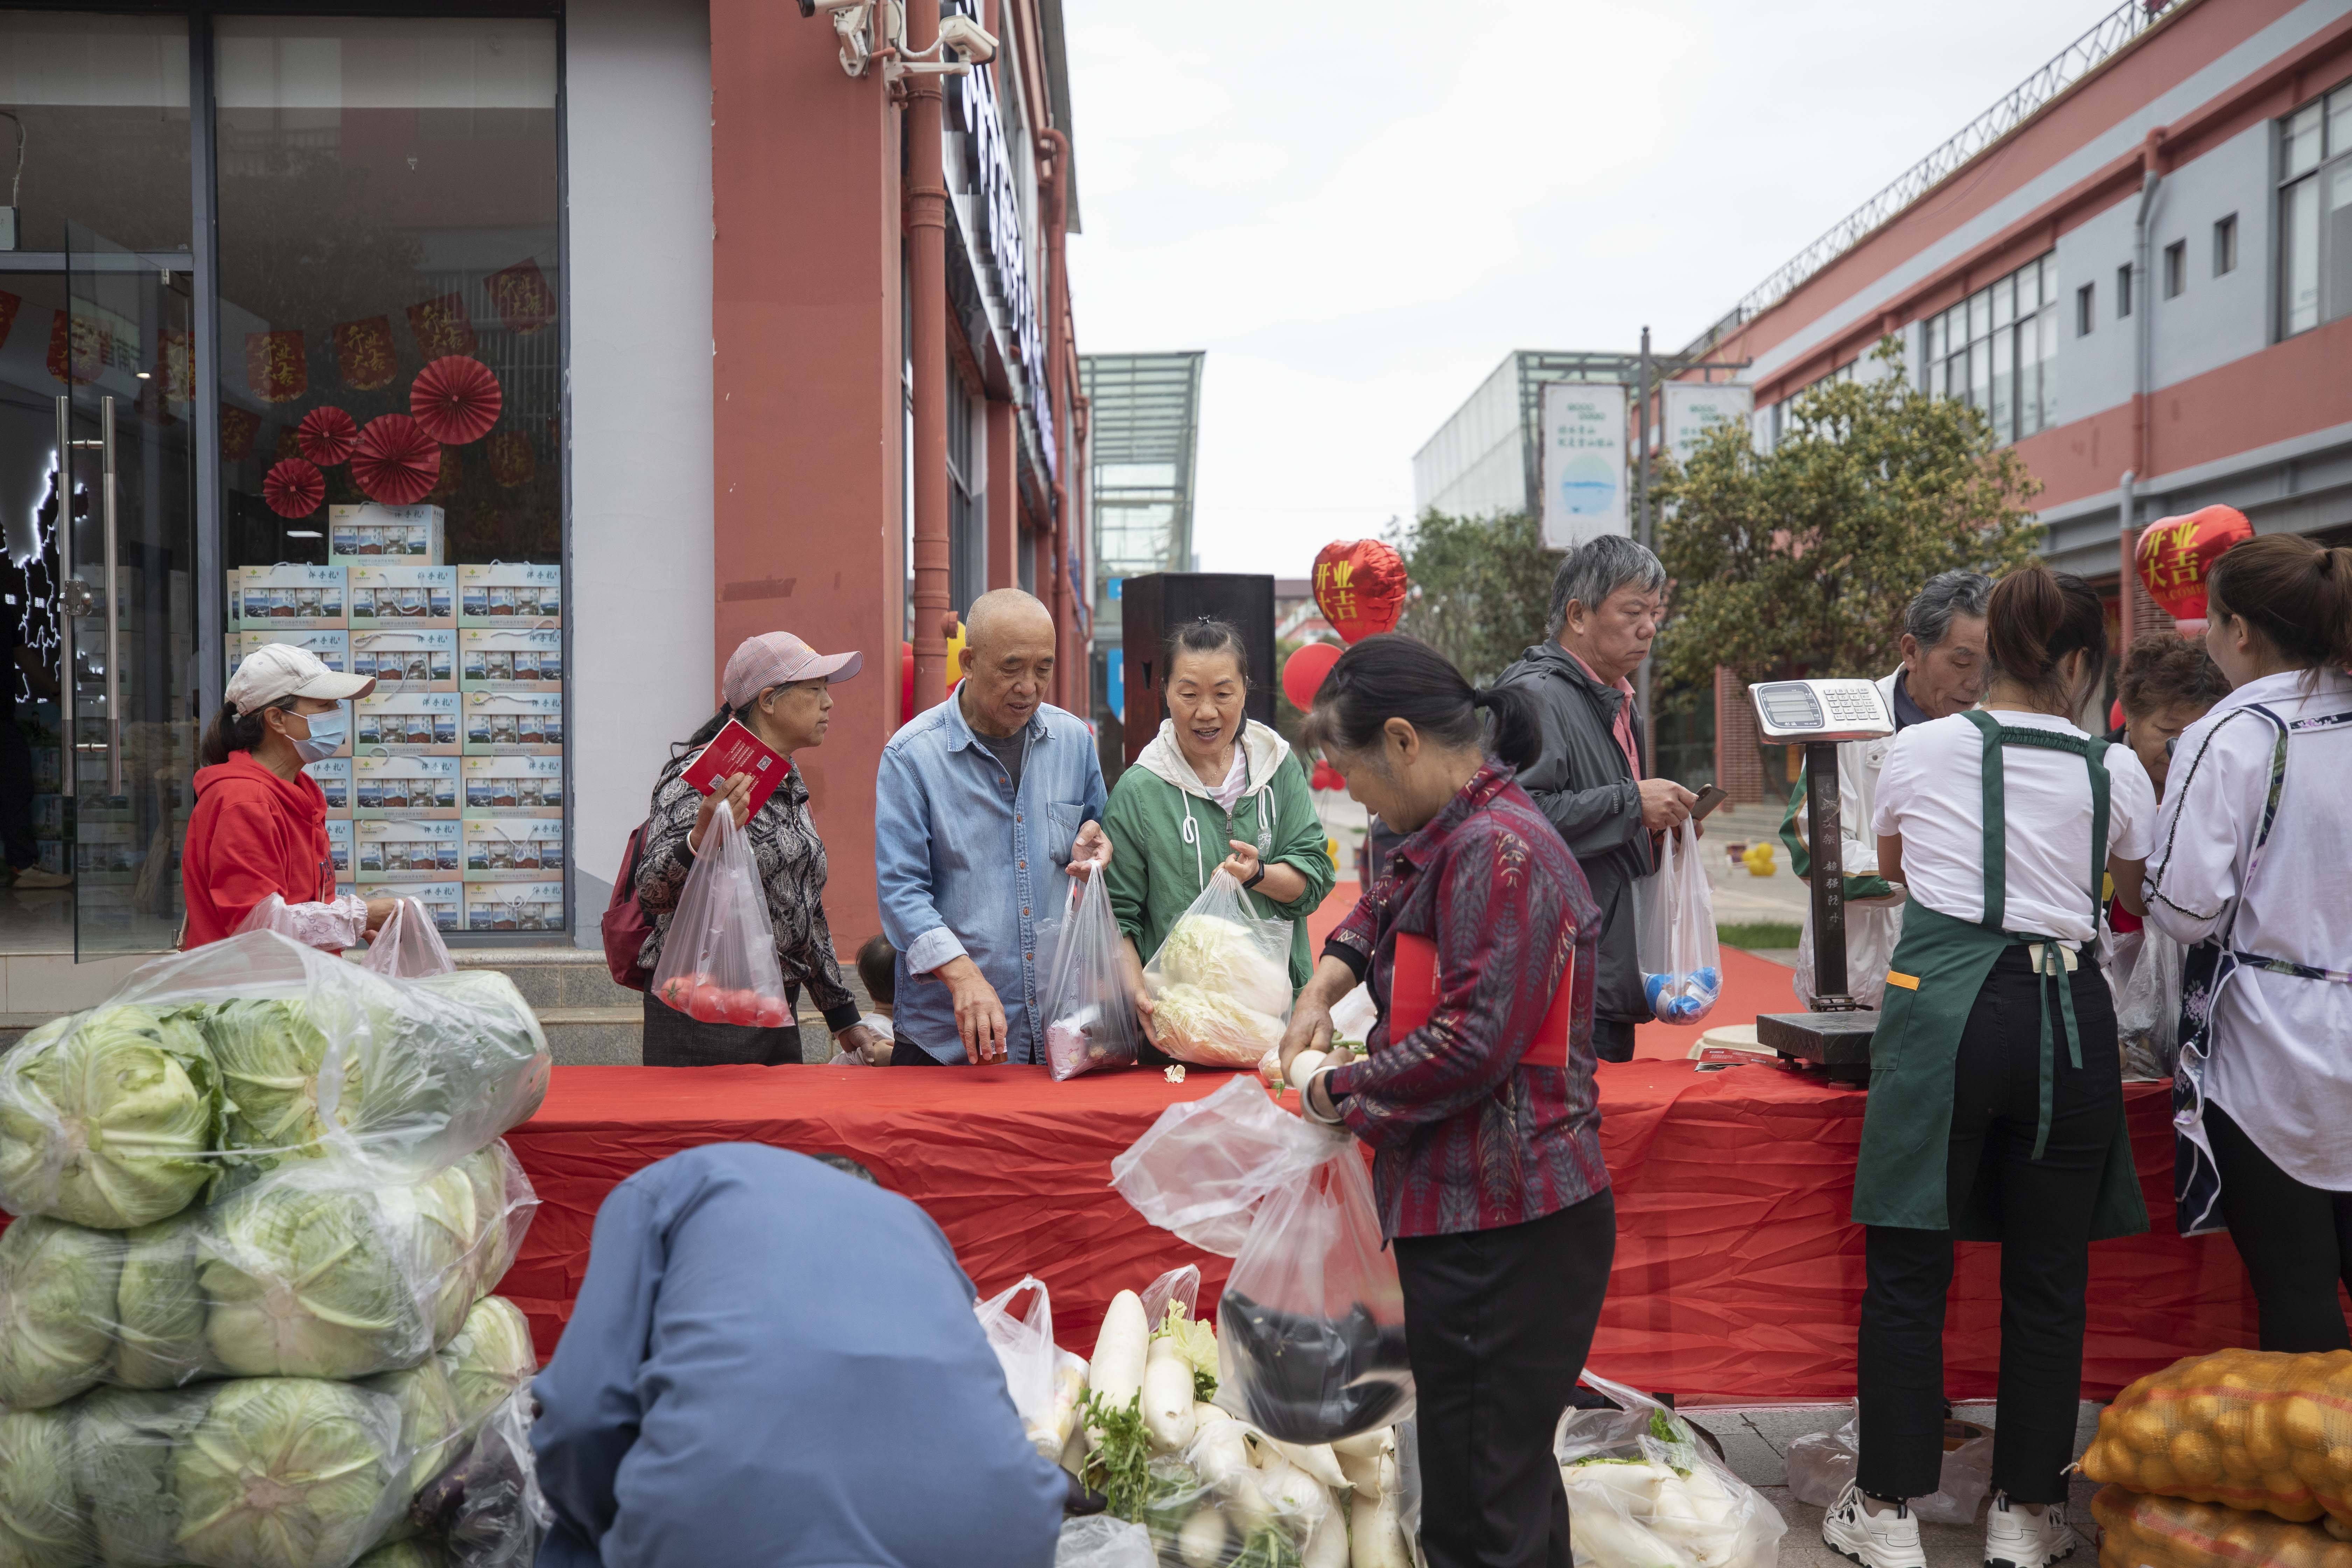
(408, 946)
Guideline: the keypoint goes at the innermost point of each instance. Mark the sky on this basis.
(1356, 210)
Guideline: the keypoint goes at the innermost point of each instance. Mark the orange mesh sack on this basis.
(2248, 1430)
(2142, 1531)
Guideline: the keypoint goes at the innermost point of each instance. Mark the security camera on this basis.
(967, 37)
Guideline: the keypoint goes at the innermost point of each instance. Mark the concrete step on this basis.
(594, 1036)
(552, 976)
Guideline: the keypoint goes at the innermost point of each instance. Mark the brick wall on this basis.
(1738, 767)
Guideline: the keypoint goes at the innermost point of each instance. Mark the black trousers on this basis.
(673, 1040)
(2296, 1241)
(1498, 1323)
(2044, 1207)
(1613, 1039)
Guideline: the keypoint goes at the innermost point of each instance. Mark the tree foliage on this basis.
(1481, 588)
(1804, 558)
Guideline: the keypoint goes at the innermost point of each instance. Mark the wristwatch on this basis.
(1256, 877)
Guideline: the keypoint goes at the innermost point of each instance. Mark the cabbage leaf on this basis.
(1225, 958)
(286, 1472)
(57, 1309)
(104, 1118)
(491, 1357)
(41, 1521)
(310, 1283)
(159, 1331)
(122, 1464)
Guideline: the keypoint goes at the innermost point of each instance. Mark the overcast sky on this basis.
(1358, 209)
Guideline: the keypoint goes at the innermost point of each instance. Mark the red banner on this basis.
(526, 304)
(275, 366)
(513, 461)
(78, 348)
(442, 326)
(238, 427)
(364, 353)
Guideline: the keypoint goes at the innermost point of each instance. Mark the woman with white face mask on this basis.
(260, 822)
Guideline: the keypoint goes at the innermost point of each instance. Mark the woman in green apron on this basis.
(1995, 1096)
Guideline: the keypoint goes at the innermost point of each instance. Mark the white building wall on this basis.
(638, 122)
(1476, 466)
(2215, 320)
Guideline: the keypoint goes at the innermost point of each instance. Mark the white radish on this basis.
(1317, 1459)
(1052, 1431)
(1205, 1414)
(1120, 1350)
(1219, 1455)
(1167, 1398)
(1298, 1499)
(1367, 1445)
(1363, 1473)
(1327, 1545)
(1270, 1068)
(1201, 1542)
(1073, 1452)
(1378, 1532)
(1302, 1068)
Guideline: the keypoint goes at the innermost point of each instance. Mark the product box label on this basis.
(514, 906)
(334, 777)
(339, 847)
(505, 594)
(404, 786)
(332, 645)
(413, 658)
(505, 784)
(445, 901)
(363, 535)
(514, 722)
(406, 848)
(283, 598)
(511, 659)
(404, 595)
(518, 848)
(408, 720)
(235, 598)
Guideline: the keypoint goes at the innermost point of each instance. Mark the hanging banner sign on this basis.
(1694, 408)
(1584, 438)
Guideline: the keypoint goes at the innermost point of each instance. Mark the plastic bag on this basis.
(1220, 983)
(1682, 967)
(1100, 1540)
(1090, 1016)
(719, 953)
(301, 1274)
(1180, 1285)
(408, 946)
(485, 1511)
(331, 925)
(1232, 1498)
(1641, 1490)
(2252, 1429)
(1202, 1168)
(2142, 1531)
(212, 1066)
(1352, 1017)
(877, 1055)
(2146, 977)
(1822, 1464)
(1046, 1382)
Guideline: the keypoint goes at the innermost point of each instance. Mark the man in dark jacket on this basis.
(1606, 603)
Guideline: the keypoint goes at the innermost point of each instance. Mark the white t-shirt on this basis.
(1228, 794)
(1932, 792)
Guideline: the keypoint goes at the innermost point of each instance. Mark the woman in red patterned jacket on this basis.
(1476, 1093)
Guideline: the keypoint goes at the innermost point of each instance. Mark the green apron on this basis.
(1939, 966)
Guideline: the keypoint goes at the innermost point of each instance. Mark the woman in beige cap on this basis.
(776, 687)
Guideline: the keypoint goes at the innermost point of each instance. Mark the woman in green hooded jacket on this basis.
(1214, 789)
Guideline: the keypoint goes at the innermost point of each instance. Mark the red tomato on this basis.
(770, 1014)
(707, 1004)
(742, 1006)
(674, 992)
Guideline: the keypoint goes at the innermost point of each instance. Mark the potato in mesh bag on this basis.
(2249, 1429)
(2139, 1530)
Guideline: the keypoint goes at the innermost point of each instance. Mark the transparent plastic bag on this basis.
(2254, 1429)
(1089, 1015)
(1822, 1464)
(1180, 1285)
(719, 954)
(2146, 977)
(1642, 1490)
(1220, 983)
(1101, 1541)
(408, 946)
(1202, 1168)
(1046, 1382)
(212, 1066)
(485, 1511)
(331, 925)
(877, 1055)
(1352, 1017)
(303, 1273)
(1682, 965)
(1232, 1498)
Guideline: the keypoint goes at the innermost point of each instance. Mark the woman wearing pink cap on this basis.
(776, 687)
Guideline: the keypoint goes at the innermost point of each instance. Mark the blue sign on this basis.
(1115, 681)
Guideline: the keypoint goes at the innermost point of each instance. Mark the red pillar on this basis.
(804, 325)
(926, 281)
(1004, 497)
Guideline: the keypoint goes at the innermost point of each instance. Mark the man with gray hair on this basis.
(1606, 602)
(1942, 673)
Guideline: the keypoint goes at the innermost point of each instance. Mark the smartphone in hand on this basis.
(1708, 799)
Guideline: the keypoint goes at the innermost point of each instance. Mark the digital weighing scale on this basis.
(1820, 716)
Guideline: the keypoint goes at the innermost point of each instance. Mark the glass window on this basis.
(2339, 122)
(2086, 305)
(2315, 214)
(2225, 246)
(2123, 292)
(2176, 269)
(2302, 141)
(1991, 349)
(100, 106)
(2004, 303)
(2004, 406)
(2336, 244)
(2299, 256)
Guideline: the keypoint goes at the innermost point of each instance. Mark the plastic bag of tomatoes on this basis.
(719, 959)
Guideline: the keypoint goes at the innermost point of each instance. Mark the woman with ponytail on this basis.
(1478, 1092)
(1995, 1091)
(2249, 872)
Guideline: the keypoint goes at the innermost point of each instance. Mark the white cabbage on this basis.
(306, 1283)
(41, 1521)
(57, 1309)
(1226, 958)
(491, 1357)
(285, 1472)
(105, 1116)
(159, 1331)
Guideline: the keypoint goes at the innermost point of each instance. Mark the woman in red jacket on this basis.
(261, 823)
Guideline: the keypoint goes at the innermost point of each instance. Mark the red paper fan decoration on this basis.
(395, 461)
(456, 399)
(328, 435)
(294, 488)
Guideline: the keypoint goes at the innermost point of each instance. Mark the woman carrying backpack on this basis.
(776, 686)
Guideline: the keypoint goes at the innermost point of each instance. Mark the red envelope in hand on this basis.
(1412, 998)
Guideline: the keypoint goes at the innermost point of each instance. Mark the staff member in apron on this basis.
(1996, 1096)
(2250, 869)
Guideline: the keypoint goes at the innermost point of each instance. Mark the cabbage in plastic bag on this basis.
(159, 1309)
(285, 1082)
(485, 1511)
(56, 1308)
(1208, 1029)
(105, 1116)
(285, 1473)
(491, 1359)
(432, 1428)
(41, 1521)
(122, 1466)
(306, 1283)
(409, 1553)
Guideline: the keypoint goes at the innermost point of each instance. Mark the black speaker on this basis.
(1153, 607)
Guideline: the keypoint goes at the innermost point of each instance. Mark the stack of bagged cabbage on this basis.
(246, 1318)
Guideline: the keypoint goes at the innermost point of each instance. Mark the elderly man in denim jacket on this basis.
(985, 804)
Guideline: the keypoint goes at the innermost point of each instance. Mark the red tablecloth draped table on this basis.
(1736, 1274)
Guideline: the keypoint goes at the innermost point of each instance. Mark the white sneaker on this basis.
(1888, 1539)
(2019, 1537)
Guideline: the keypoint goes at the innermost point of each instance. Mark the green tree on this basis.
(1802, 558)
(1481, 588)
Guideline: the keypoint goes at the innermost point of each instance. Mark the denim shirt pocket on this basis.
(1062, 821)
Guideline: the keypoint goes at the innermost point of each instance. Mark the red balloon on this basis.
(1360, 586)
(326, 435)
(1303, 673)
(2175, 555)
(1325, 776)
(293, 487)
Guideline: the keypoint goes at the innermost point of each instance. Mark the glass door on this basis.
(126, 567)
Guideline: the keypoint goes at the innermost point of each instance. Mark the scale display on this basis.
(1796, 712)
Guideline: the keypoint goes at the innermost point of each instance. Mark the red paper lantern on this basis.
(1303, 673)
(395, 462)
(294, 488)
(1359, 587)
(525, 303)
(2175, 555)
(276, 368)
(364, 353)
(239, 427)
(443, 326)
(456, 399)
(328, 435)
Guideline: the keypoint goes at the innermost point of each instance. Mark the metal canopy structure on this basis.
(1144, 425)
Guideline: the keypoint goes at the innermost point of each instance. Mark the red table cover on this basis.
(1736, 1274)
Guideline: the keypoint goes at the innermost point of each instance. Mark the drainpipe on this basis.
(926, 237)
(2143, 341)
(1057, 208)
